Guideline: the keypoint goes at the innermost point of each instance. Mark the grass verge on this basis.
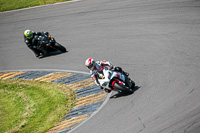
(6, 5)
(32, 106)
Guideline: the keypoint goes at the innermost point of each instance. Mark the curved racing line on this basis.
(90, 99)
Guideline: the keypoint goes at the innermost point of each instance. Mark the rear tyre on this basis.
(60, 47)
(122, 88)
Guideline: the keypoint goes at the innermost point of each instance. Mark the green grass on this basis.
(30, 106)
(6, 5)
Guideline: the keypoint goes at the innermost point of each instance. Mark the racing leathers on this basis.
(99, 66)
(33, 44)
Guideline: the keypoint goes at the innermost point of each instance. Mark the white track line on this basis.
(93, 114)
(57, 70)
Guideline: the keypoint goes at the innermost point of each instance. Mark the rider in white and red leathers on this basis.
(97, 66)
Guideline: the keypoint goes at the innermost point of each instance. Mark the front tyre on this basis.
(122, 87)
(133, 84)
(60, 47)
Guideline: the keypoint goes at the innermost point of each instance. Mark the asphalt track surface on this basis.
(156, 41)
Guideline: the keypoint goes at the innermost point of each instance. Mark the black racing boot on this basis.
(36, 52)
(37, 55)
(43, 53)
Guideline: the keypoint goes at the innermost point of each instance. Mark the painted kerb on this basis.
(89, 97)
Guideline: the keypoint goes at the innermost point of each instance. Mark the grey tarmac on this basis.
(156, 41)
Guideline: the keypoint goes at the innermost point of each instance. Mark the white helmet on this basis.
(89, 63)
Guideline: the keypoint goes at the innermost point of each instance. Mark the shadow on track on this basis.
(54, 53)
(124, 94)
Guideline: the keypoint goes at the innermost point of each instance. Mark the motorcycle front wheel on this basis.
(133, 84)
(60, 47)
(122, 88)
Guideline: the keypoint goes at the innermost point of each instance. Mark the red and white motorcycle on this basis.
(113, 80)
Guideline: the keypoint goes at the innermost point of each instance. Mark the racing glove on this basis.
(107, 90)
